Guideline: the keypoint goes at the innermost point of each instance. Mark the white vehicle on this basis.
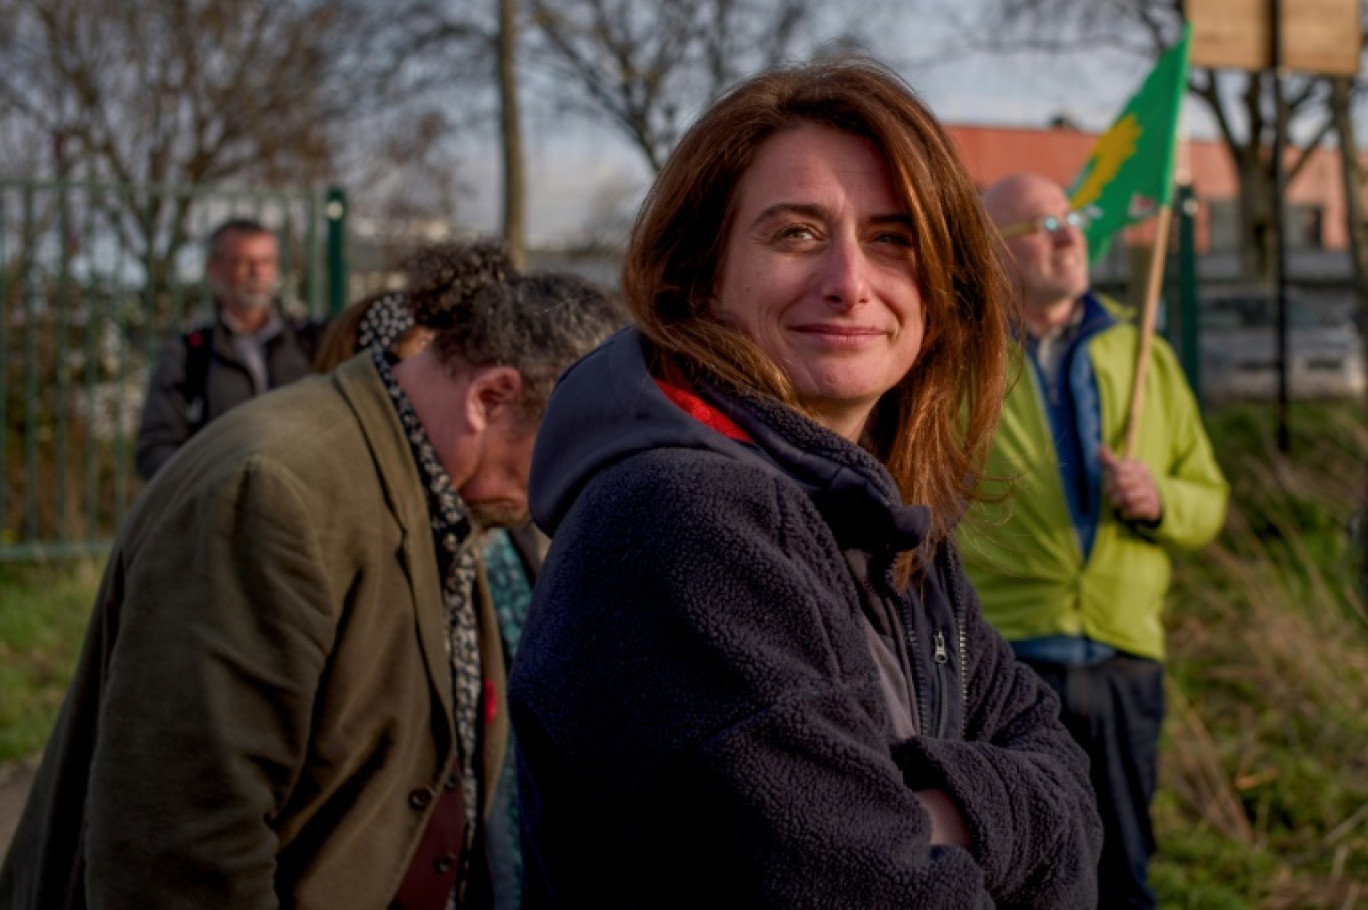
(1239, 343)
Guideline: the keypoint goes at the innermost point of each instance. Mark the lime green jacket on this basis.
(1023, 553)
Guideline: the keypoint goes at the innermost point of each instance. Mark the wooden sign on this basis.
(1318, 36)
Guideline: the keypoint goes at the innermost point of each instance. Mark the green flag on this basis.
(1129, 174)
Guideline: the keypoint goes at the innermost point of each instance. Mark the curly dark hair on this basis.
(538, 323)
(443, 278)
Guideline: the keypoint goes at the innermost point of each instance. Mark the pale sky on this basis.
(569, 167)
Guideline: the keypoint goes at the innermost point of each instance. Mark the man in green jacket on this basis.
(291, 693)
(1073, 567)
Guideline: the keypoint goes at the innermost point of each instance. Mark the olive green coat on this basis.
(263, 701)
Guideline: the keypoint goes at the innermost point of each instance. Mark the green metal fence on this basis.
(94, 278)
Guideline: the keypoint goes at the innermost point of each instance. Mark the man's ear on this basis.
(492, 392)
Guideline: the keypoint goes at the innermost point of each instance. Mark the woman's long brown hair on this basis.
(932, 430)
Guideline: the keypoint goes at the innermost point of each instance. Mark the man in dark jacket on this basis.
(248, 348)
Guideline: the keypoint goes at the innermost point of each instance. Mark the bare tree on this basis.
(1351, 170)
(407, 169)
(1241, 103)
(175, 93)
(648, 67)
(510, 128)
(608, 215)
(1250, 149)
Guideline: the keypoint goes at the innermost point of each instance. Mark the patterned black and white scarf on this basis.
(452, 531)
(385, 322)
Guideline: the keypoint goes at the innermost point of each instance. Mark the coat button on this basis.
(444, 863)
(420, 798)
(451, 783)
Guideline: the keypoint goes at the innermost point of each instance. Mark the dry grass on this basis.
(1265, 770)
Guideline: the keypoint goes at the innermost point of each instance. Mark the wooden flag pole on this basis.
(1150, 307)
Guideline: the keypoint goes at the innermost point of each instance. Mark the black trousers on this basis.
(1115, 709)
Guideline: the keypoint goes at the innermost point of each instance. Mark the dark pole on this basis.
(1279, 242)
(1189, 321)
(515, 188)
(335, 211)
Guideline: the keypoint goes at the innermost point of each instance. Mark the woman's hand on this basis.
(947, 824)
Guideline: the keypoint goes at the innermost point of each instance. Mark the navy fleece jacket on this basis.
(699, 716)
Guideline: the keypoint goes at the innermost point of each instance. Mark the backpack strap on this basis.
(199, 347)
(308, 332)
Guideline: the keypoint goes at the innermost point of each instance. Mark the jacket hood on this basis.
(608, 407)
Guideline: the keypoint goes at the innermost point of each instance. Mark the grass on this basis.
(1264, 791)
(43, 613)
(1263, 801)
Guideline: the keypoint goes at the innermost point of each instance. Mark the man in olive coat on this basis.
(291, 686)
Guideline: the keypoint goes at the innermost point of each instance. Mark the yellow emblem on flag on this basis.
(1114, 148)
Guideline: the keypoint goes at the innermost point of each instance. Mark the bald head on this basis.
(1007, 199)
(1053, 264)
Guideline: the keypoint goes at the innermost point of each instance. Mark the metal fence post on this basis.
(335, 210)
(31, 363)
(1189, 347)
(88, 295)
(8, 273)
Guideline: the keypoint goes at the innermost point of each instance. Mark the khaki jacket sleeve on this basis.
(225, 628)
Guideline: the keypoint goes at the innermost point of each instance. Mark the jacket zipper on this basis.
(913, 659)
(962, 637)
(940, 658)
(918, 681)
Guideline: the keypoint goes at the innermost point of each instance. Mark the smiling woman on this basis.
(752, 656)
(826, 286)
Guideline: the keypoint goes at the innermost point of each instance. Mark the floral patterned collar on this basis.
(453, 534)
